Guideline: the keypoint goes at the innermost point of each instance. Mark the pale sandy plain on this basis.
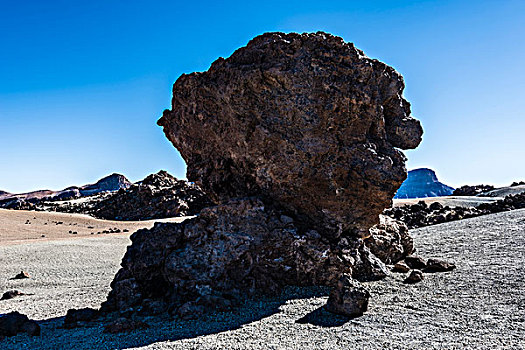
(481, 305)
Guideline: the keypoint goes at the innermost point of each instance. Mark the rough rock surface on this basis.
(348, 298)
(158, 196)
(389, 240)
(228, 251)
(14, 323)
(306, 122)
(296, 139)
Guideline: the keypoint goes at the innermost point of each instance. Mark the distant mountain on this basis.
(3, 193)
(422, 183)
(110, 183)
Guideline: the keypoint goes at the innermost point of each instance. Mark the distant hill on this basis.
(422, 183)
(110, 183)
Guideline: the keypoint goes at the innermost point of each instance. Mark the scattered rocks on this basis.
(415, 262)
(79, 317)
(21, 275)
(436, 265)
(421, 214)
(122, 324)
(14, 323)
(348, 298)
(471, 190)
(414, 277)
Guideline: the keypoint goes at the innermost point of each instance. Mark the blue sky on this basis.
(82, 84)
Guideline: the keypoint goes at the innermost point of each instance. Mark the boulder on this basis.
(21, 275)
(348, 298)
(14, 323)
(389, 240)
(295, 138)
(306, 122)
(437, 265)
(415, 262)
(79, 317)
(414, 277)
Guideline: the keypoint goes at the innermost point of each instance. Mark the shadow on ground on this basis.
(163, 328)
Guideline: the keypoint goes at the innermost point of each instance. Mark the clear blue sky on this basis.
(83, 83)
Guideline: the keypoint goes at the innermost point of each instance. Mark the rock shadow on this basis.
(164, 328)
(321, 317)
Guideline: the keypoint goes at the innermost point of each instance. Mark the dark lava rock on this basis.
(22, 275)
(122, 324)
(233, 249)
(303, 121)
(471, 190)
(415, 262)
(11, 294)
(421, 183)
(389, 240)
(436, 265)
(79, 317)
(157, 196)
(401, 267)
(348, 298)
(296, 139)
(14, 323)
(421, 214)
(414, 277)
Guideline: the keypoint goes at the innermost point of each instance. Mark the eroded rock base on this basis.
(230, 251)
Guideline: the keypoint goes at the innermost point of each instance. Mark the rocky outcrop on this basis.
(296, 139)
(421, 183)
(421, 214)
(472, 190)
(159, 195)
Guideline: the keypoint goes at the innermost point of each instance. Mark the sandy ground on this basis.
(21, 226)
(452, 201)
(481, 305)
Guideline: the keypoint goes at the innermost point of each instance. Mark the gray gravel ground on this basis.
(481, 305)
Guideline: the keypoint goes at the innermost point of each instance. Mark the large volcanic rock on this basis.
(295, 138)
(422, 183)
(306, 122)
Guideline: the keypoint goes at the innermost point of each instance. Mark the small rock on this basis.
(21, 275)
(415, 262)
(348, 298)
(11, 294)
(75, 317)
(437, 265)
(414, 277)
(14, 322)
(401, 267)
(124, 325)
